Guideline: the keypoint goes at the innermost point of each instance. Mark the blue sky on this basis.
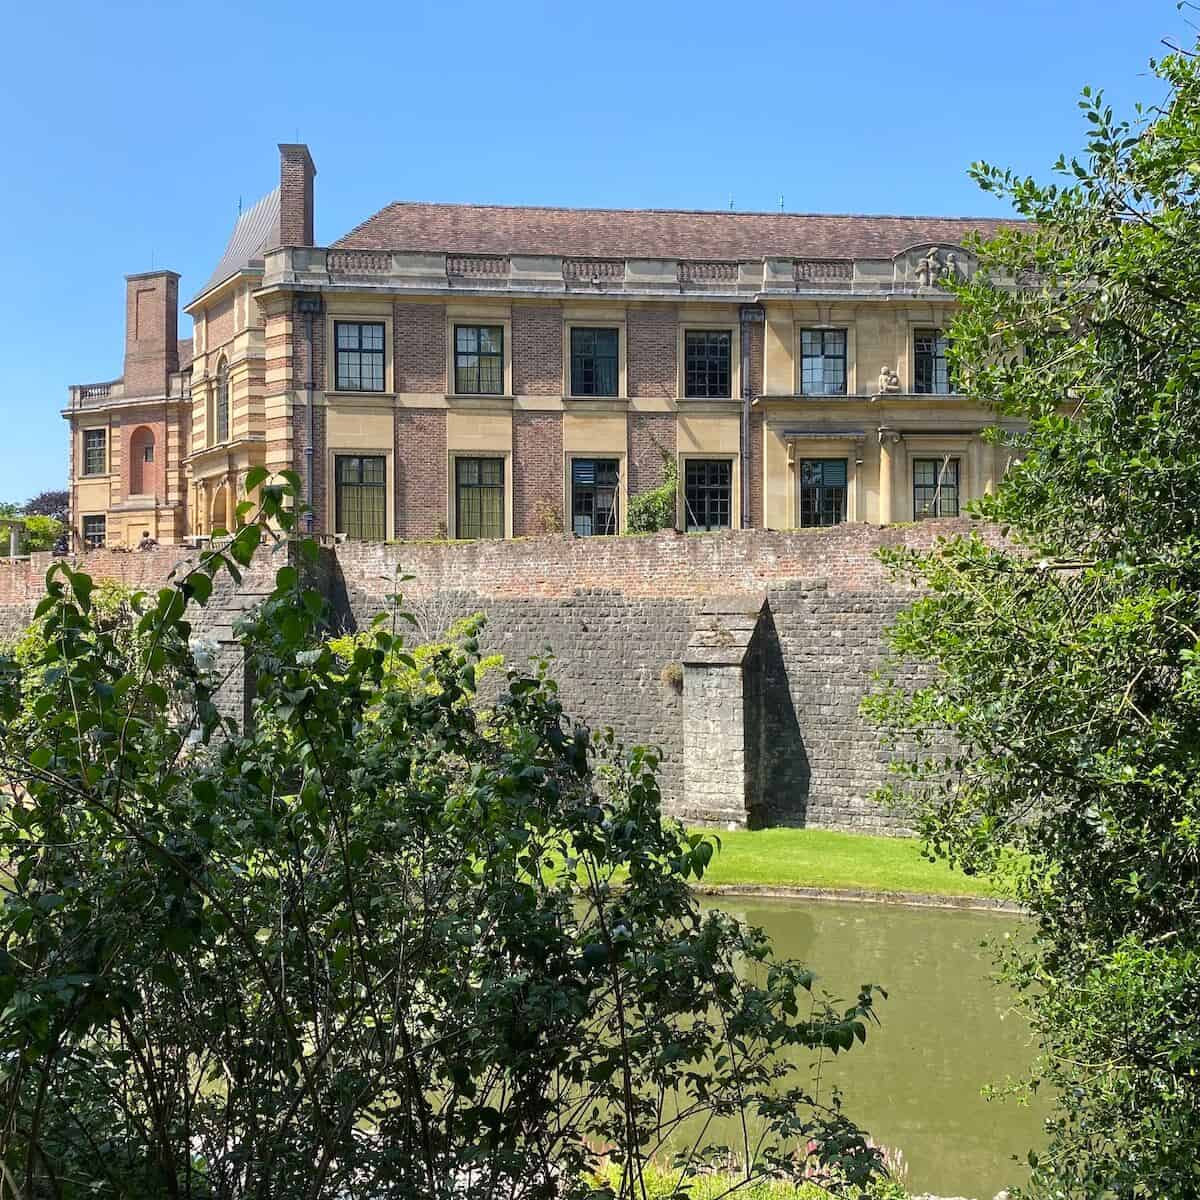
(129, 131)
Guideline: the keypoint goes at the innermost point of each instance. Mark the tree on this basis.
(380, 944)
(1055, 705)
(54, 503)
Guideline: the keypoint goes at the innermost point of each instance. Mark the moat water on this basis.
(948, 1030)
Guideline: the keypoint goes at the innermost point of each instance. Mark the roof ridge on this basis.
(688, 212)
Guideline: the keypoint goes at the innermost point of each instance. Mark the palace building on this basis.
(475, 371)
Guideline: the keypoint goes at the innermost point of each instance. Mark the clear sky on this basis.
(128, 132)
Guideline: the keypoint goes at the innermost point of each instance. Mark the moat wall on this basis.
(742, 655)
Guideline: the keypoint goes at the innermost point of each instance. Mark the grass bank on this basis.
(819, 858)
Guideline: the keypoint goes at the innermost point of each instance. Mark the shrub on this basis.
(655, 509)
(371, 945)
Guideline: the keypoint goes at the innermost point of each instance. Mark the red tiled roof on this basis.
(185, 353)
(651, 233)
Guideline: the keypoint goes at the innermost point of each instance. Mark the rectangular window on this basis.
(148, 452)
(94, 529)
(359, 356)
(935, 487)
(706, 362)
(479, 511)
(95, 451)
(931, 375)
(823, 362)
(594, 362)
(707, 493)
(822, 491)
(360, 498)
(594, 490)
(479, 360)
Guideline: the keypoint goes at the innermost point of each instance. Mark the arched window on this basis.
(222, 421)
(143, 471)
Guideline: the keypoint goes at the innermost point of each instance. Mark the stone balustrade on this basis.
(545, 273)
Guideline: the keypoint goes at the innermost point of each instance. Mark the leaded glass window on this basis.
(361, 496)
(935, 487)
(222, 404)
(931, 374)
(594, 491)
(479, 360)
(594, 362)
(707, 493)
(822, 491)
(95, 451)
(360, 356)
(706, 362)
(94, 532)
(823, 362)
(479, 510)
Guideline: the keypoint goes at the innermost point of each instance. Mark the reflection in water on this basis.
(947, 1031)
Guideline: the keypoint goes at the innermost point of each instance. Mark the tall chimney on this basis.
(296, 175)
(151, 332)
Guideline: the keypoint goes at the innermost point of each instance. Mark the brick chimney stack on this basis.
(151, 332)
(296, 175)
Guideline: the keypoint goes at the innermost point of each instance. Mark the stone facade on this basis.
(751, 294)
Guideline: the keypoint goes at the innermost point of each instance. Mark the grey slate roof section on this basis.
(256, 232)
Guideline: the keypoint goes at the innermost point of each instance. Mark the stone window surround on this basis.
(84, 430)
(388, 454)
(452, 457)
(847, 326)
(734, 329)
(599, 321)
(622, 457)
(907, 368)
(462, 315)
(84, 518)
(962, 446)
(849, 448)
(735, 484)
(358, 312)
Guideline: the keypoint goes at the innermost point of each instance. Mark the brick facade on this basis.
(537, 349)
(296, 175)
(420, 347)
(421, 466)
(756, 471)
(151, 332)
(537, 473)
(652, 336)
(651, 435)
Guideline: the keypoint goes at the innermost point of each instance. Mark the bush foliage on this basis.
(373, 945)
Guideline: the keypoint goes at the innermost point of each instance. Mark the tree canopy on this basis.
(1055, 704)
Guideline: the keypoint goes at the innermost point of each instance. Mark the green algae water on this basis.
(948, 1030)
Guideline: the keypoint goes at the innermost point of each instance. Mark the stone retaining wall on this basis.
(622, 617)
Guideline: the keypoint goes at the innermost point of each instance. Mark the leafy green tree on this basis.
(373, 945)
(54, 502)
(42, 532)
(1055, 708)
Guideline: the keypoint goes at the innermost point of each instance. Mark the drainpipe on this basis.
(310, 306)
(749, 316)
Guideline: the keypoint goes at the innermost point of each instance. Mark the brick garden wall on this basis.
(617, 612)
